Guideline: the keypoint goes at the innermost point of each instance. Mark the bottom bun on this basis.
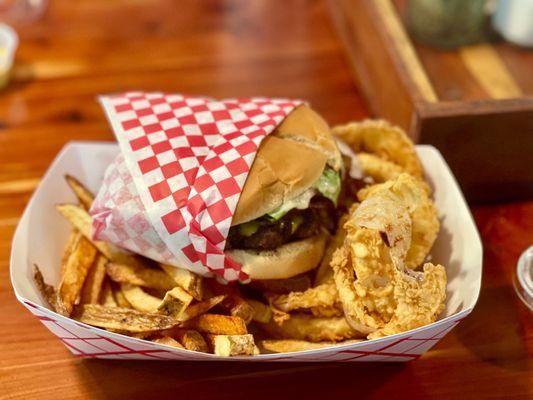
(286, 261)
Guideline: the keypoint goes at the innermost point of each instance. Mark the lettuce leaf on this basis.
(329, 184)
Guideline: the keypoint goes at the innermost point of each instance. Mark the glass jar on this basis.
(447, 23)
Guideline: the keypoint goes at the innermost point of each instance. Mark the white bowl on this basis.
(42, 233)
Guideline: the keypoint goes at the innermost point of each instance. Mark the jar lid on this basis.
(524, 277)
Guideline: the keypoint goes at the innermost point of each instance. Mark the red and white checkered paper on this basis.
(172, 192)
(88, 342)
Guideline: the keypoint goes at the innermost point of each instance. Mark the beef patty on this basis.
(295, 225)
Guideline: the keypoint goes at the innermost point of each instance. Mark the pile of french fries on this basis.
(107, 287)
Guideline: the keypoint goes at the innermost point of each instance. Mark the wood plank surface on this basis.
(497, 70)
(221, 48)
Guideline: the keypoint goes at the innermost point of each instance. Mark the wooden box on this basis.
(475, 103)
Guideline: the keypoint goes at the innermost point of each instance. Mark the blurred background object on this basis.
(448, 23)
(8, 47)
(21, 11)
(513, 19)
(524, 278)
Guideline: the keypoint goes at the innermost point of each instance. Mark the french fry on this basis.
(119, 297)
(72, 241)
(106, 297)
(242, 309)
(200, 308)
(283, 286)
(234, 303)
(167, 340)
(84, 195)
(192, 340)
(92, 287)
(324, 295)
(137, 335)
(76, 268)
(140, 276)
(139, 299)
(217, 324)
(122, 318)
(262, 312)
(175, 302)
(232, 345)
(47, 291)
(289, 345)
(312, 329)
(81, 220)
(186, 279)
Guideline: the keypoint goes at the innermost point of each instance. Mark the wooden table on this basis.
(220, 48)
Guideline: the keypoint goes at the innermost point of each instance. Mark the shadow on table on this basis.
(499, 316)
(162, 380)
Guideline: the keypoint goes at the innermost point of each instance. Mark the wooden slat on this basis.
(406, 52)
(362, 33)
(490, 72)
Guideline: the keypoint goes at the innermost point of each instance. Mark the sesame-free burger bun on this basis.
(288, 162)
(286, 261)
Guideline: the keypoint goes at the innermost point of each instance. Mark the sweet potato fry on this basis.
(313, 329)
(232, 345)
(122, 318)
(92, 287)
(288, 345)
(187, 280)
(81, 220)
(47, 291)
(218, 324)
(175, 302)
(76, 268)
(262, 312)
(139, 299)
(84, 195)
(283, 286)
(140, 276)
(200, 308)
(167, 340)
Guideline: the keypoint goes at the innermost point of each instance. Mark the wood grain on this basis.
(488, 69)
(405, 49)
(220, 48)
(361, 31)
(473, 104)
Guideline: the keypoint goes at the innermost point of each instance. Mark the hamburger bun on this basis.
(286, 261)
(288, 162)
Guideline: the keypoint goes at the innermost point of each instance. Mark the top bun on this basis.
(288, 162)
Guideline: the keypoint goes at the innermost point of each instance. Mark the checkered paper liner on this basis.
(172, 192)
(86, 341)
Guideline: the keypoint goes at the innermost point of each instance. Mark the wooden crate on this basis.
(475, 103)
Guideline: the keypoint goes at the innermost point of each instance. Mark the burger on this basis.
(287, 208)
